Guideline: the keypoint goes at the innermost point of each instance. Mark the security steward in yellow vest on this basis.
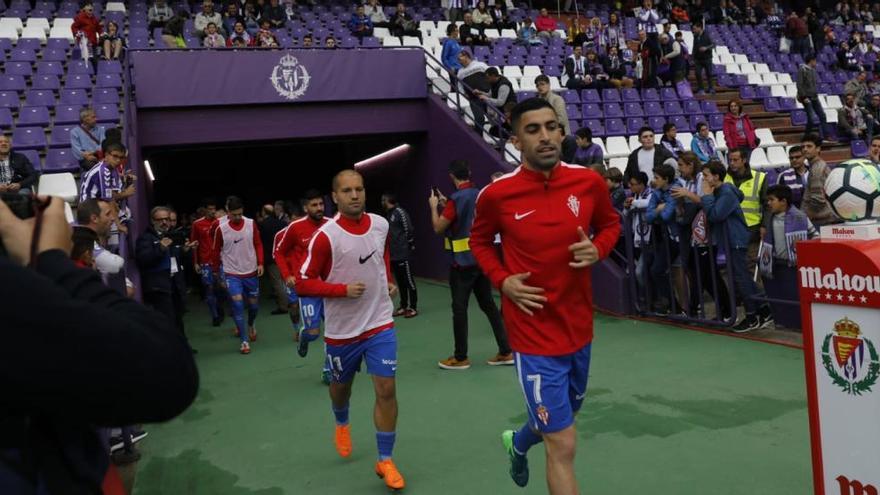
(753, 184)
(465, 276)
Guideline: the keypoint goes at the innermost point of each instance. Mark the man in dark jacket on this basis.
(270, 224)
(702, 58)
(17, 174)
(401, 244)
(646, 157)
(159, 261)
(78, 354)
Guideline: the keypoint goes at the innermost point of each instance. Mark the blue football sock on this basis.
(211, 299)
(238, 317)
(311, 337)
(341, 415)
(385, 443)
(524, 439)
(252, 313)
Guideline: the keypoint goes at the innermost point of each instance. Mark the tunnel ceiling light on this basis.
(397, 152)
(149, 170)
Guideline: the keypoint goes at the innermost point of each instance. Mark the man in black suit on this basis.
(17, 174)
(470, 33)
(159, 261)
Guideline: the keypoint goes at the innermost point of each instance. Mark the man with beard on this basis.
(545, 207)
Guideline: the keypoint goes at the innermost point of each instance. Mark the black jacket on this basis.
(22, 170)
(78, 354)
(703, 40)
(154, 262)
(400, 234)
(661, 154)
(268, 228)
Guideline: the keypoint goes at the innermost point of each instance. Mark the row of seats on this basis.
(57, 68)
(47, 98)
(63, 115)
(52, 82)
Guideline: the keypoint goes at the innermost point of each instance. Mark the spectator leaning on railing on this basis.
(648, 156)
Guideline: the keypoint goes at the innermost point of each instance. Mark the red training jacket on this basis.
(291, 250)
(538, 219)
(202, 231)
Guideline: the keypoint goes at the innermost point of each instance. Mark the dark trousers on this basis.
(703, 277)
(815, 117)
(701, 66)
(463, 281)
(746, 287)
(167, 304)
(406, 284)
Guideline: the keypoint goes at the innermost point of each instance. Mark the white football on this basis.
(853, 189)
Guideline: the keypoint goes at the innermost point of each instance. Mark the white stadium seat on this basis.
(617, 147)
(634, 142)
(554, 84)
(35, 32)
(766, 137)
(527, 84)
(832, 102)
(62, 185)
(391, 41)
(12, 21)
(114, 7)
(8, 32)
(777, 156)
(532, 71)
(783, 78)
(40, 22)
(510, 149)
(492, 34)
(720, 142)
(411, 41)
(726, 59)
(777, 90)
(758, 159)
(508, 33)
(732, 69)
(61, 32)
(512, 71)
(618, 163)
(685, 138)
(739, 58)
(381, 32)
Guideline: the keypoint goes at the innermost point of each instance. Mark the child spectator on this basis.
(703, 145)
(264, 37)
(670, 140)
(786, 226)
(83, 252)
(213, 39)
(721, 202)
(661, 213)
(634, 212)
(587, 152)
(112, 42)
(614, 180)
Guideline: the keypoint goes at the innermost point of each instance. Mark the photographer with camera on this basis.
(17, 174)
(158, 257)
(77, 356)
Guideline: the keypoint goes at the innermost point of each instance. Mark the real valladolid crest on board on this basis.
(290, 78)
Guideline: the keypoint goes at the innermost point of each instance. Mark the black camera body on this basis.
(22, 206)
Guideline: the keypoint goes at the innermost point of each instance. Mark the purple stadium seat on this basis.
(66, 114)
(107, 113)
(650, 94)
(763, 92)
(612, 110)
(33, 116)
(596, 126)
(5, 119)
(370, 42)
(592, 111)
(630, 94)
(633, 124)
(772, 104)
(139, 43)
(747, 92)
(31, 44)
(29, 138)
(681, 123)
(672, 108)
(5, 45)
(60, 136)
(105, 95)
(54, 55)
(716, 121)
(60, 160)
(32, 155)
(653, 108)
(9, 99)
(709, 107)
(656, 123)
(633, 109)
(12, 83)
(668, 94)
(18, 69)
(573, 111)
(22, 55)
(48, 82)
(74, 97)
(570, 96)
(80, 67)
(696, 119)
(39, 98)
(858, 148)
(691, 106)
(615, 127)
(50, 68)
(610, 95)
(787, 104)
(591, 96)
(57, 44)
(553, 71)
(78, 81)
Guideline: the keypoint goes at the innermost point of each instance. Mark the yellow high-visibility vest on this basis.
(751, 203)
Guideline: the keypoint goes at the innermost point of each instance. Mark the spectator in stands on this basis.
(99, 216)
(454, 9)
(739, 132)
(862, 48)
(634, 212)
(858, 88)
(591, 37)
(307, 41)
(472, 33)
(401, 245)
(240, 37)
(542, 84)
(205, 16)
(874, 150)
(500, 18)
(726, 13)
(213, 39)
(172, 33)
(451, 49)
(721, 202)
(647, 157)
(703, 144)
(795, 177)
(753, 185)
(679, 13)
(616, 68)
(613, 35)
(111, 362)
(403, 24)
(17, 174)
(672, 64)
(851, 120)
(159, 14)
(230, 18)
(786, 226)
(275, 14)
(481, 15)
(111, 42)
(614, 180)
(83, 249)
(473, 74)
(360, 23)
(527, 34)
(159, 261)
(661, 212)
(648, 18)
(814, 203)
(648, 60)
(753, 14)
(815, 28)
(330, 43)
(846, 58)
(670, 140)
(376, 13)
(588, 153)
(698, 12)
(251, 18)
(546, 25)
(796, 30)
(808, 95)
(107, 182)
(596, 72)
(702, 56)
(501, 91)
(86, 139)
(265, 38)
(86, 28)
(575, 70)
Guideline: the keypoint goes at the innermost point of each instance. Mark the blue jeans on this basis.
(815, 115)
(745, 285)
